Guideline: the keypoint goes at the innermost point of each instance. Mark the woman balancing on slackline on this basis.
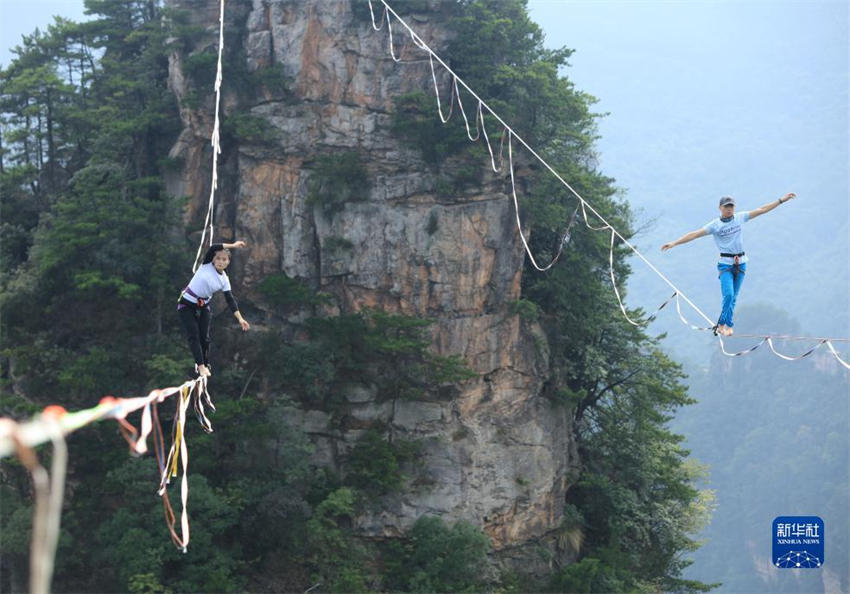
(194, 304)
(732, 265)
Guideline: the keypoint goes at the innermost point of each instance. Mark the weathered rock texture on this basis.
(499, 454)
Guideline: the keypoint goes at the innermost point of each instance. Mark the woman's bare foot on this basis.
(203, 371)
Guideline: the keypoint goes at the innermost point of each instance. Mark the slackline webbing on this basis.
(214, 141)
(54, 420)
(54, 423)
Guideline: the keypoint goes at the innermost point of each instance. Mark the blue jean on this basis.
(730, 286)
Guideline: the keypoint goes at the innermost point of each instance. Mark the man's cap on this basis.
(727, 200)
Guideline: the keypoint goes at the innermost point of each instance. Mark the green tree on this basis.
(374, 464)
(336, 557)
(436, 558)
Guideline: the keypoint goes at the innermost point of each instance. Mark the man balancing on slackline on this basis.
(732, 265)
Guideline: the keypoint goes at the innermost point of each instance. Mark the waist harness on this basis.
(736, 264)
(201, 301)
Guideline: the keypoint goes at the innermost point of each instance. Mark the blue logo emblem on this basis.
(798, 542)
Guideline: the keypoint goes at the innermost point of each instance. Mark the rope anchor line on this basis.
(48, 491)
(214, 142)
(387, 16)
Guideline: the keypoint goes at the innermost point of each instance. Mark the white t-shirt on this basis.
(729, 236)
(206, 282)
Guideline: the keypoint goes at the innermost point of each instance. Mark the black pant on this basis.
(196, 322)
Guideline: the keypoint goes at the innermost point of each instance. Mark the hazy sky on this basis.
(21, 17)
(715, 69)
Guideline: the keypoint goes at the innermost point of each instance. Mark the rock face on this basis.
(499, 454)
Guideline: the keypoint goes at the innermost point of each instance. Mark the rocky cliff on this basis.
(498, 454)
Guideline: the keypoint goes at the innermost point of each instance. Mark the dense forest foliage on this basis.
(92, 253)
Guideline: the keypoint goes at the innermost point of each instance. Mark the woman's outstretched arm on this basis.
(242, 321)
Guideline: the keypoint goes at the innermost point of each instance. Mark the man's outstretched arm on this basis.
(685, 239)
(771, 205)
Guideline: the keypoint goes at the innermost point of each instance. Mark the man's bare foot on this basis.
(203, 371)
(721, 329)
(729, 331)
